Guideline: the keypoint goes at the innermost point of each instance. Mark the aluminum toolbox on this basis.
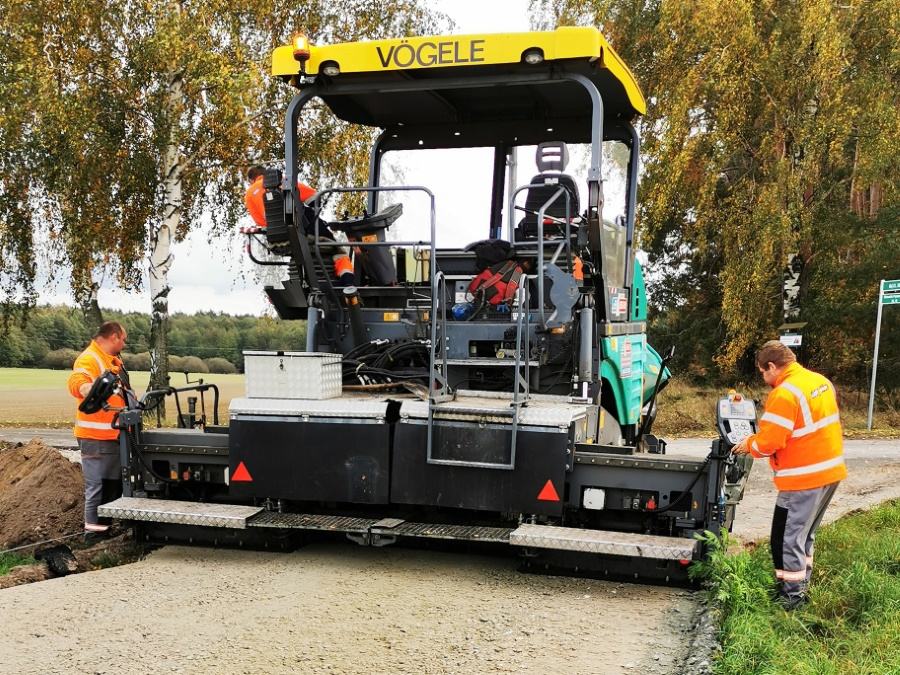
(296, 375)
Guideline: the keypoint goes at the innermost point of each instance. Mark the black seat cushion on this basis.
(538, 196)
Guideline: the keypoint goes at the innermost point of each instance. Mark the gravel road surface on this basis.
(331, 608)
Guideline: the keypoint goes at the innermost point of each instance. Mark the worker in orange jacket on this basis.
(97, 439)
(800, 434)
(253, 199)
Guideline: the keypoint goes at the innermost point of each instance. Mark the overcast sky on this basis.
(219, 277)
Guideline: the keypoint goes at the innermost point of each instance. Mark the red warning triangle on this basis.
(548, 494)
(241, 473)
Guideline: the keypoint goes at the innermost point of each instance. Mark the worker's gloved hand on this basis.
(84, 389)
(741, 448)
(347, 279)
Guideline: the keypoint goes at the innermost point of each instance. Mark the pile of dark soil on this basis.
(41, 494)
(42, 499)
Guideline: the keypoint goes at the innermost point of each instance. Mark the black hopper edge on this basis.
(225, 537)
(608, 567)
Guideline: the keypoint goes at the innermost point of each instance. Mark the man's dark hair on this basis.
(775, 352)
(255, 172)
(110, 328)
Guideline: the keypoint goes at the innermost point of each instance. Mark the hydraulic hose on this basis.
(357, 326)
(684, 493)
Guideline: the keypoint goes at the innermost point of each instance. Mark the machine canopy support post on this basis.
(586, 346)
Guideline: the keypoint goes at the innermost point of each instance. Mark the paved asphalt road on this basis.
(57, 438)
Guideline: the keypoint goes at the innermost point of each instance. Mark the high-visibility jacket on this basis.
(800, 431)
(256, 207)
(89, 365)
(253, 199)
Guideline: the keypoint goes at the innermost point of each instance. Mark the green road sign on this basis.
(890, 295)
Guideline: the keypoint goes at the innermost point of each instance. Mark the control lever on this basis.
(735, 421)
(103, 387)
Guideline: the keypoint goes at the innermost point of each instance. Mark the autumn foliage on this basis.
(772, 130)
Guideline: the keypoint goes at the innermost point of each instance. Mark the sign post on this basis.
(889, 294)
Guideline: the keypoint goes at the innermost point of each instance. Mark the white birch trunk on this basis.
(161, 249)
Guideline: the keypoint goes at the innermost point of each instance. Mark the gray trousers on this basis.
(798, 515)
(102, 479)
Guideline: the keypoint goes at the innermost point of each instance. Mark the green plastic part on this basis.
(630, 366)
(638, 294)
(623, 370)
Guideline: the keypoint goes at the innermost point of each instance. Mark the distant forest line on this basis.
(53, 336)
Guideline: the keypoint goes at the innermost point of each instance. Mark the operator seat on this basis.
(377, 261)
(551, 160)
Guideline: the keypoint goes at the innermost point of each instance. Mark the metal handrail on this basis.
(317, 198)
(251, 237)
(566, 242)
(437, 310)
(520, 382)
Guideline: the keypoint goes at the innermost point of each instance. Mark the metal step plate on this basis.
(309, 521)
(179, 513)
(555, 413)
(388, 527)
(457, 532)
(601, 541)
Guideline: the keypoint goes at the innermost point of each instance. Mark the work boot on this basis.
(790, 602)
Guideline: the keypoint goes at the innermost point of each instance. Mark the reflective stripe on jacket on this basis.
(800, 431)
(89, 365)
(253, 199)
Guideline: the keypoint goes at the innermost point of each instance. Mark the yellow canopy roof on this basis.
(380, 62)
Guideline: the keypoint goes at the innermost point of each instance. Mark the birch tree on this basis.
(772, 133)
(134, 120)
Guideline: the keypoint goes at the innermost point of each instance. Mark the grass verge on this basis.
(852, 622)
(10, 560)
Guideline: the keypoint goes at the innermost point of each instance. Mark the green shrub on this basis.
(13, 347)
(192, 364)
(220, 366)
(176, 364)
(142, 361)
(134, 362)
(60, 359)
